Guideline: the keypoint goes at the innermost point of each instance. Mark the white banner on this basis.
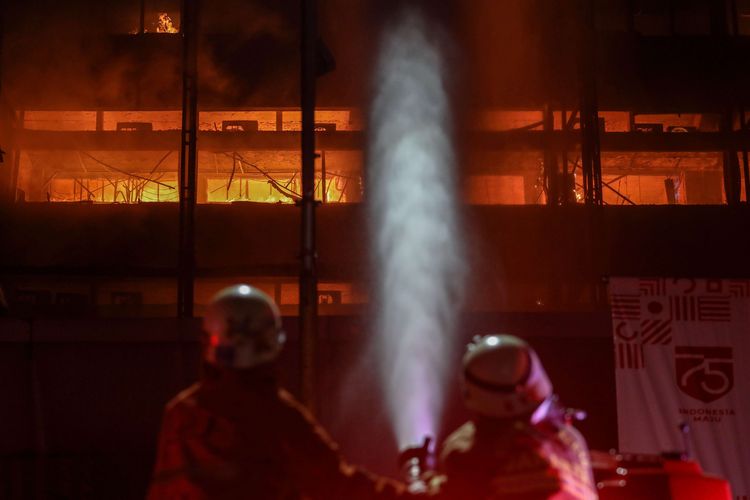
(682, 354)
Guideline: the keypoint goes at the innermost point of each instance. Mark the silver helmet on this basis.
(243, 325)
(503, 378)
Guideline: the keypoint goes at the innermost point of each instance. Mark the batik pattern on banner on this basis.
(682, 355)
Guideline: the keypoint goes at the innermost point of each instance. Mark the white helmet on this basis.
(244, 328)
(503, 378)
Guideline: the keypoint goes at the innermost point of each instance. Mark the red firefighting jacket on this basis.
(240, 436)
(490, 459)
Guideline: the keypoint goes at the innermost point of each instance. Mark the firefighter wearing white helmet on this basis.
(243, 325)
(519, 443)
(237, 434)
(503, 378)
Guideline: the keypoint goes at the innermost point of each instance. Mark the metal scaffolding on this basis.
(308, 280)
(188, 152)
(590, 146)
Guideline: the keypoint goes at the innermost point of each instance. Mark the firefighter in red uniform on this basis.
(236, 434)
(519, 444)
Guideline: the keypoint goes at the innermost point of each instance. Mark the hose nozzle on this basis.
(414, 461)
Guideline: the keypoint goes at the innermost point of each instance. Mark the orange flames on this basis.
(165, 24)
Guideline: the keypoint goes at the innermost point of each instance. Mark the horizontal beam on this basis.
(43, 140)
(695, 142)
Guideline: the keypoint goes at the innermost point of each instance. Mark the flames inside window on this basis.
(165, 24)
(138, 161)
(108, 190)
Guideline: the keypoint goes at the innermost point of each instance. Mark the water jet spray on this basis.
(413, 208)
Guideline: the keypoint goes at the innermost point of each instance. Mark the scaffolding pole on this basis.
(745, 164)
(308, 284)
(567, 181)
(730, 162)
(188, 150)
(590, 144)
(551, 171)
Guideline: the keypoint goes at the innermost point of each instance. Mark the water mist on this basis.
(414, 225)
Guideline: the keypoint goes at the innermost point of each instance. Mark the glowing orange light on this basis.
(165, 24)
(260, 190)
(108, 190)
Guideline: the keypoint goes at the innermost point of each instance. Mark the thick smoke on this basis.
(414, 225)
(82, 54)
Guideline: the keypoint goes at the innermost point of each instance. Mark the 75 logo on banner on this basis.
(704, 373)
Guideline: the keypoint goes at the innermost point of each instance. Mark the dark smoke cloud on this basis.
(83, 54)
(63, 54)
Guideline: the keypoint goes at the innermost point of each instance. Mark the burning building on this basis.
(102, 125)
(590, 144)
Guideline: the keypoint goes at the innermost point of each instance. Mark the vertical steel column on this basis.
(590, 147)
(745, 164)
(9, 165)
(550, 158)
(308, 280)
(730, 162)
(14, 168)
(720, 21)
(142, 18)
(323, 180)
(565, 179)
(188, 149)
(7, 131)
(19, 122)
